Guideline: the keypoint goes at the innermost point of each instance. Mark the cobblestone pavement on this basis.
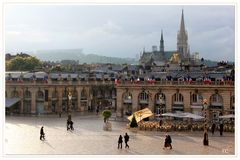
(89, 138)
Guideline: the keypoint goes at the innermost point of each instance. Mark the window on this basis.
(196, 98)
(127, 96)
(143, 96)
(216, 98)
(15, 94)
(40, 94)
(27, 94)
(178, 97)
(83, 94)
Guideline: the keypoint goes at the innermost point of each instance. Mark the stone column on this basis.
(151, 103)
(135, 94)
(119, 103)
(168, 101)
(48, 108)
(79, 98)
(60, 95)
(186, 101)
(151, 100)
(226, 101)
(33, 100)
(22, 99)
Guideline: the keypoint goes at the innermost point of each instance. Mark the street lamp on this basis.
(205, 107)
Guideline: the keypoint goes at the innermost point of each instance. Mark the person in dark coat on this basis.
(120, 140)
(71, 125)
(221, 129)
(168, 142)
(213, 128)
(97, 110)
(126, 139)
(68, 125)
(205, 139)
(160, 122)
(42, 134)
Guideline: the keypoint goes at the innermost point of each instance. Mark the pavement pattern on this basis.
(22, 133)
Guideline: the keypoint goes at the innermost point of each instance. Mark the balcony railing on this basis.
(159, 102)
(164, 82)
(127, 101)
(119, 83)
(54, 82)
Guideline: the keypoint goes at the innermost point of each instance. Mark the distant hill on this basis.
(77, 54)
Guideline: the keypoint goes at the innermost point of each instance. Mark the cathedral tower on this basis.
(182, 40)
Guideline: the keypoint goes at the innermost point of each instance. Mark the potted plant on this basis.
(107, 125)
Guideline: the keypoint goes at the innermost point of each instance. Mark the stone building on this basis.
(40, 93)
(49, 93)
(173, 96)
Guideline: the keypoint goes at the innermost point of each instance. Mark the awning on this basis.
(227, 116)
(11, 101)
(141, 114)
(183, 115)
(196, 107)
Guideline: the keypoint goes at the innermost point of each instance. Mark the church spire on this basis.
(161, 43)
(182, 40)
(182, 27)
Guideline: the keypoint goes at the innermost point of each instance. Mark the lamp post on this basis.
(205, 107)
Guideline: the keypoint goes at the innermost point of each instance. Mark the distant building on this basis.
(180, 55)
(8, 56)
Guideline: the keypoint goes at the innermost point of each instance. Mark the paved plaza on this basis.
(22, 137)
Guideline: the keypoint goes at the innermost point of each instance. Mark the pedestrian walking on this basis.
(126, 139)
(97, 110)
(71, 125)
(221, 128)
(42, 134)
(168, 141)
(160, 122)
(120, 140)
(213, 128)
(68, 125)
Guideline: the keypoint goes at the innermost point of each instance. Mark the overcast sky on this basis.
(120, 30)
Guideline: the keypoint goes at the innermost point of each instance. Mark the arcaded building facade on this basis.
(174, 96)
(49, 93)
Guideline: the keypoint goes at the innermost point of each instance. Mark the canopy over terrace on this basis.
(183, 115)
(141, 114)
(11, 101)
(227, 116)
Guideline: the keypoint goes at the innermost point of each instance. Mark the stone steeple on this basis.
(161, 43)
(182, 40)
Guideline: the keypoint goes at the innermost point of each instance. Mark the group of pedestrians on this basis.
(120, 141)
(220, 128)
(167, 142)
